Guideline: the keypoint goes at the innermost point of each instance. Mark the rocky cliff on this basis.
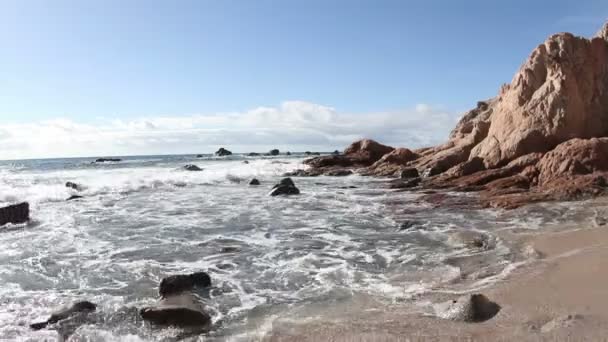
(541, 137)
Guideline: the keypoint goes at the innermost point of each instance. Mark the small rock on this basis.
(191, 167)
(222, 152)
(245, 162)
(404, 184)
(74, 186)
(253, 154)
(73, 197)
(254, 181)
(274, 152)
(16, 213)
(229, 250)
(177, 284)
(287, 153)
(336, 152)
(83, 307)
(409, 224)
(199, 156)
(409, 173)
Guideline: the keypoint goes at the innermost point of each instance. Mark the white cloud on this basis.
(293, 125)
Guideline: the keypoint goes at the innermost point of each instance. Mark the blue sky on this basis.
(111, 62)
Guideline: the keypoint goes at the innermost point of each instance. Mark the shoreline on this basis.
(559, 296)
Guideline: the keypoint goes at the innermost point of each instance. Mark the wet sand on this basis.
(561, 296)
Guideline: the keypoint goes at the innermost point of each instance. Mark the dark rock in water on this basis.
(338, 173)
(73, 197)
(199, 156)
(254, 182)
(336, 152)
(274, 152)
(347, 187)
(83, 307)
(473, 308)
(191, 167)
(308, 153)
(404, 184)
(16, 213)
(103, 160)
(73, 185)
(410, 172)
(177, 284)
(181, 310)
(409, 224)
(253, 154)
(222, 152)
(229, 249)
(285, 187)
(287, 153)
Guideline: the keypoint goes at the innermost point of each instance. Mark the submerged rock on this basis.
(16, 213)
(222, 152)
(285, 187)
(254, 181)
(182, 310)
(79, 308)
(192, 167)
(473, 308)
(104, 160)
(177, 284)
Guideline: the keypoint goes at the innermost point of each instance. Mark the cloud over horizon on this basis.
(293, 125)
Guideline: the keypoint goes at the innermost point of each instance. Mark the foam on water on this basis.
(146, 217)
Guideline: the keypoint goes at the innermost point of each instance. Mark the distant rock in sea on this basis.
(223, 152)
(285, 187)
(274, 152)
(105, 160)
(541, 138)
(192, 167)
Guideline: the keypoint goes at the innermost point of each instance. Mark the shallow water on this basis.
(144, 218)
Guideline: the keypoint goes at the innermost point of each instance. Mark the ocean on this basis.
(343, 242)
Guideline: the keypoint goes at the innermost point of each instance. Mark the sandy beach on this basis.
(561, 296)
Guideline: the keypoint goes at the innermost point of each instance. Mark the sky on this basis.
(128, 77)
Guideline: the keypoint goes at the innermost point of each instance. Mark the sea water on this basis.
(145, 218)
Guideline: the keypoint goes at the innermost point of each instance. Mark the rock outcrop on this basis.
(543, 137)
(274, 152)
(16, 213)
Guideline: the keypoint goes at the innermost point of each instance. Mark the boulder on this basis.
(287, 153)
(104, 160)
(254, 181)
(79, 308)
(574, 157)
(274, 152)
(184, 310)
(472, 308)
(16, 213)
(222, 152)
(285, 187)
(177, 284)
(192, 167)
